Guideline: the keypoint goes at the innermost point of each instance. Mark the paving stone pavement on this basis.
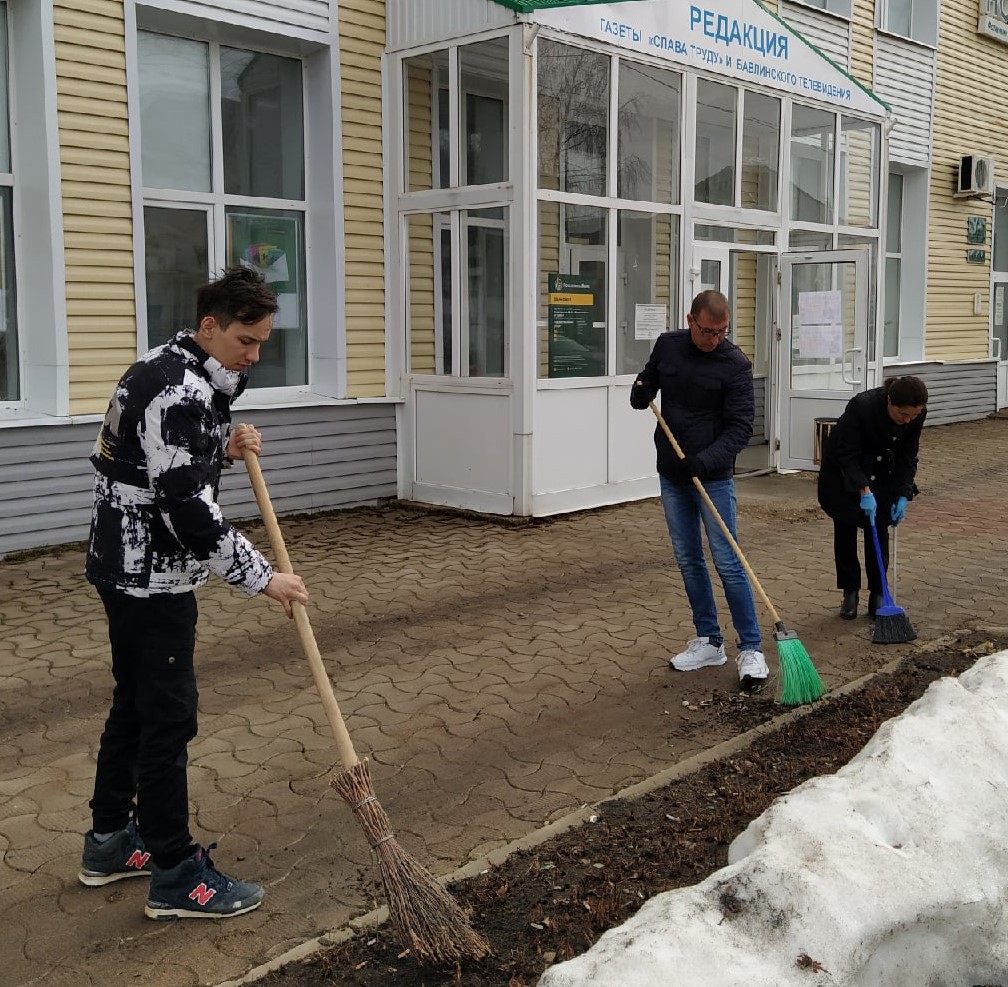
(498, 676)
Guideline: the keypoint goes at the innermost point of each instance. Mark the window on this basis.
(573, 119)
(913, 19)
(893, 264)
(10, 389)
(859, 167)
(999, 251)
(714, 160)
(457, 258)
(224, 184)
(760, 151)
(647, 165)
(812, 141)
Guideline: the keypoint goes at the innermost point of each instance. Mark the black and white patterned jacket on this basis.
(156, 526)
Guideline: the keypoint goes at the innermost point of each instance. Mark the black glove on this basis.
(684, 469)
(640, 397)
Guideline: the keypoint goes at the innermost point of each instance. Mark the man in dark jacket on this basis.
(707, 400)
(156, 534)
(869, 462)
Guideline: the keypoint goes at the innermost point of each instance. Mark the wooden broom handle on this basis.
(717, 517)
(344, 746)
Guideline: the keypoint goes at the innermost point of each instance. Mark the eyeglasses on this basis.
(713, 333)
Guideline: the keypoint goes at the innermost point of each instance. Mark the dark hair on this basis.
(713, 303)
(240, 294)
(906, 392)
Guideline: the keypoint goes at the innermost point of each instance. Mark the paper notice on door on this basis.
(649, 321)
(820, 342)
(999, 299)
(819, 308)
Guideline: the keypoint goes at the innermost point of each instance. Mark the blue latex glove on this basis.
(898, 511)
(869, 506)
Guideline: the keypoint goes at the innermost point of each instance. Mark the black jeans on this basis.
(143, 754)
(845, 555)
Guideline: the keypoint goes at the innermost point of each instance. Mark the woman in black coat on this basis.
(869, 461)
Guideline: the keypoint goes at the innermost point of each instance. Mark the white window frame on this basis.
(924, 16)
(7, 182)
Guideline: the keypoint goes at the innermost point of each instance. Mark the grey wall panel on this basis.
(905, 79)
(415, 22)
(957, 392)
(314, 458)
(831, 35)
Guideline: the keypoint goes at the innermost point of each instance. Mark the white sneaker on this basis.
(699, 653)
(752, 669)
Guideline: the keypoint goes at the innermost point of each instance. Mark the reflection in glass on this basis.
(486, 298)
(174, 112)
(176, 262)
(263, 128)
(272, 242)
(898, 16)
(760, 148)
(812, 134)
(573, 118)
(483, 75)
(859, 157)
(572, 290)
(809, 240)
(10, 388)
(646, 300)
(423, 76)
(649, 126)
(715, 143)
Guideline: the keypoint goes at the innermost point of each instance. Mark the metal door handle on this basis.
(843, 366)
(997, 353)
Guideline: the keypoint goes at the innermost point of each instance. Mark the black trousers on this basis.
(845, 555)
(142, 757)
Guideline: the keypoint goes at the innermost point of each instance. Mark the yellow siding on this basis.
(964, 120)
(362, 42)
(97, 209)
(862, 42)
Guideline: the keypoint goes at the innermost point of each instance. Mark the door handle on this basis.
(997, 349)
(843, 366)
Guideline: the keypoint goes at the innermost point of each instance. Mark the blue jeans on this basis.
(684, 510)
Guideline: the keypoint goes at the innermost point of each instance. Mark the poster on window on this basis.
(819, 326)
(649, 321)
(576, 342)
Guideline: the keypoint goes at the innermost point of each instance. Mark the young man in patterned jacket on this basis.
(156, 534)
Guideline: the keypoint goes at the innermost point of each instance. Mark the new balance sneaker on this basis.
(196, 889)
(752, 669)
(122, 855)
(699, 653)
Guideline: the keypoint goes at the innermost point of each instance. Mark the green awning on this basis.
(524, 6)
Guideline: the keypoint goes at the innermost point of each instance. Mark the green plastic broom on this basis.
(800, 682)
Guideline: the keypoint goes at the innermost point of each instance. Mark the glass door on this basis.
(999, 294)
(824, 342)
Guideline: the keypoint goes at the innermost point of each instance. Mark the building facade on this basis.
(478, 215)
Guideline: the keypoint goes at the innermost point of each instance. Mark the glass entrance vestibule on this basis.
(562, 186)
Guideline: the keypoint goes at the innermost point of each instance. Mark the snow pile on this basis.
(894, 871)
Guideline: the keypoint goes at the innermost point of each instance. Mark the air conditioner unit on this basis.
(976, 175)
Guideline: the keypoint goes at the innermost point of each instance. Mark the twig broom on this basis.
(428, 919)
(892, 625)
(800, 682)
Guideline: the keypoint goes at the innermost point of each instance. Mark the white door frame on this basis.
(999, 308)
(830, 385)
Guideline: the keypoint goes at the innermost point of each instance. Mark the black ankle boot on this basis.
(848, 608)
(874, 602)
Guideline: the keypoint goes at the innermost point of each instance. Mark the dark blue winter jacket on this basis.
(706, 399)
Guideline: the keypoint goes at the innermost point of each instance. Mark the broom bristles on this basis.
(893, 626)
(800, 682)
(429, 921)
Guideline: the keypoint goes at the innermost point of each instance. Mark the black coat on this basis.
(866, 448)
(707, 401)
